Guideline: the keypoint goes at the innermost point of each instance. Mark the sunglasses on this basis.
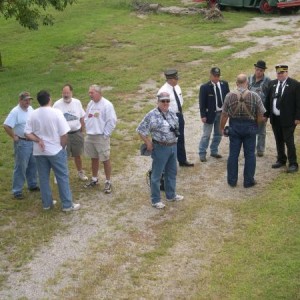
(165, 101)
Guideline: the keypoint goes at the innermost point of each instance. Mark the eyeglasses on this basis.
(164, 101)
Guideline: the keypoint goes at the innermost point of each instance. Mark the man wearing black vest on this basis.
(173, 89)
(283, 109)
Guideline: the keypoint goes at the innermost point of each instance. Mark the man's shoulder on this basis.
(206, 85)
(106, 102)
(164, 88)
(292, 81)
(76, 100)
(223, 82)
(58, 102)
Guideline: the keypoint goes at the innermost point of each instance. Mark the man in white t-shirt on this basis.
(100, 121)
(74, 114)
(48, 128)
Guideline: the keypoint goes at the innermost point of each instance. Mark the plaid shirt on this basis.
(252, 101)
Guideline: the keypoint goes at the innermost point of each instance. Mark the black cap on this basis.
(171, 73)
(215, 71)
(260, 64)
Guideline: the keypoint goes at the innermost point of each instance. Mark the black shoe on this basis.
(278, 165)
(19, 196)
(35, 189)
(232, 184)
(250, 185)
(260, 154)
(216, 155)
(203, 159)
(186, 164)
(292, 169)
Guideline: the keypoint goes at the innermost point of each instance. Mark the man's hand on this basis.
(203, 120)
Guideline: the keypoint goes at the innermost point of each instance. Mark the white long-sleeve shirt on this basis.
(100, 117)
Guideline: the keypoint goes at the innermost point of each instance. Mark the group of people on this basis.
(45, 137)
(247, 109)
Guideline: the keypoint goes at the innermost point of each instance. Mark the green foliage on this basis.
(30, 13)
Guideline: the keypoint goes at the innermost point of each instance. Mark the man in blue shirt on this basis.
(25, 165)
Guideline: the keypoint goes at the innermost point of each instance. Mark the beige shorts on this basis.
(96, 146)
(75, 144)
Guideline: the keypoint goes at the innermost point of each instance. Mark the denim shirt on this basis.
(159, 128)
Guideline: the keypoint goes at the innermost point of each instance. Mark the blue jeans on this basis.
(163, 160)
(25, 167)
(242, 132)
(59, 164)
(207, 129)
(261, 137)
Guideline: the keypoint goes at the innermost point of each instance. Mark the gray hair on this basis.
(96, 87)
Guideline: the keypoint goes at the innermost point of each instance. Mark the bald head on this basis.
(242, 81)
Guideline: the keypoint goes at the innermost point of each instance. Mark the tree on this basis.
(31, 13)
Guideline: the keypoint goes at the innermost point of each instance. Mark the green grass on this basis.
(262, 261)
(103, 42)
(270, 33)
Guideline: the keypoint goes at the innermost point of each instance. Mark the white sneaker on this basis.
(82, 176)
(158, 205)
(53, 203)
(75, 206)
(92, 183)
(107, 187)
(176, 198)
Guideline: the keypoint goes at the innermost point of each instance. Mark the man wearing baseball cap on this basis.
(211, 98)
(25, 165)
(161, 124)
(283, 109)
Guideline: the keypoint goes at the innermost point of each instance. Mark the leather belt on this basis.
(23, 139)
(163, 143)
(71, 132)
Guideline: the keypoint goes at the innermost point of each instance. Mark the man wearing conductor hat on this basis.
(283, 109)
(259, 83)
(173, 89)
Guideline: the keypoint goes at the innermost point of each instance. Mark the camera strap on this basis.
(163, 115)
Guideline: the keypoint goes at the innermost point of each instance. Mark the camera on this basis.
(175, 130)
(226, 131)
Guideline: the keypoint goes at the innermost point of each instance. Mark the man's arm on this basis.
(147, 141)
(223, 121)
(64, 140)
(36, 139)
(10, 132)
(202, 101)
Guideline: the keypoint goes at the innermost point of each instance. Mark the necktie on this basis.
(279, 96)
(177, 100)
(219, 99)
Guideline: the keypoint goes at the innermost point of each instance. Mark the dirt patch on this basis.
(121, 226)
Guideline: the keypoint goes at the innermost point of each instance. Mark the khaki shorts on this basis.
(75, 144)
(96, 146)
